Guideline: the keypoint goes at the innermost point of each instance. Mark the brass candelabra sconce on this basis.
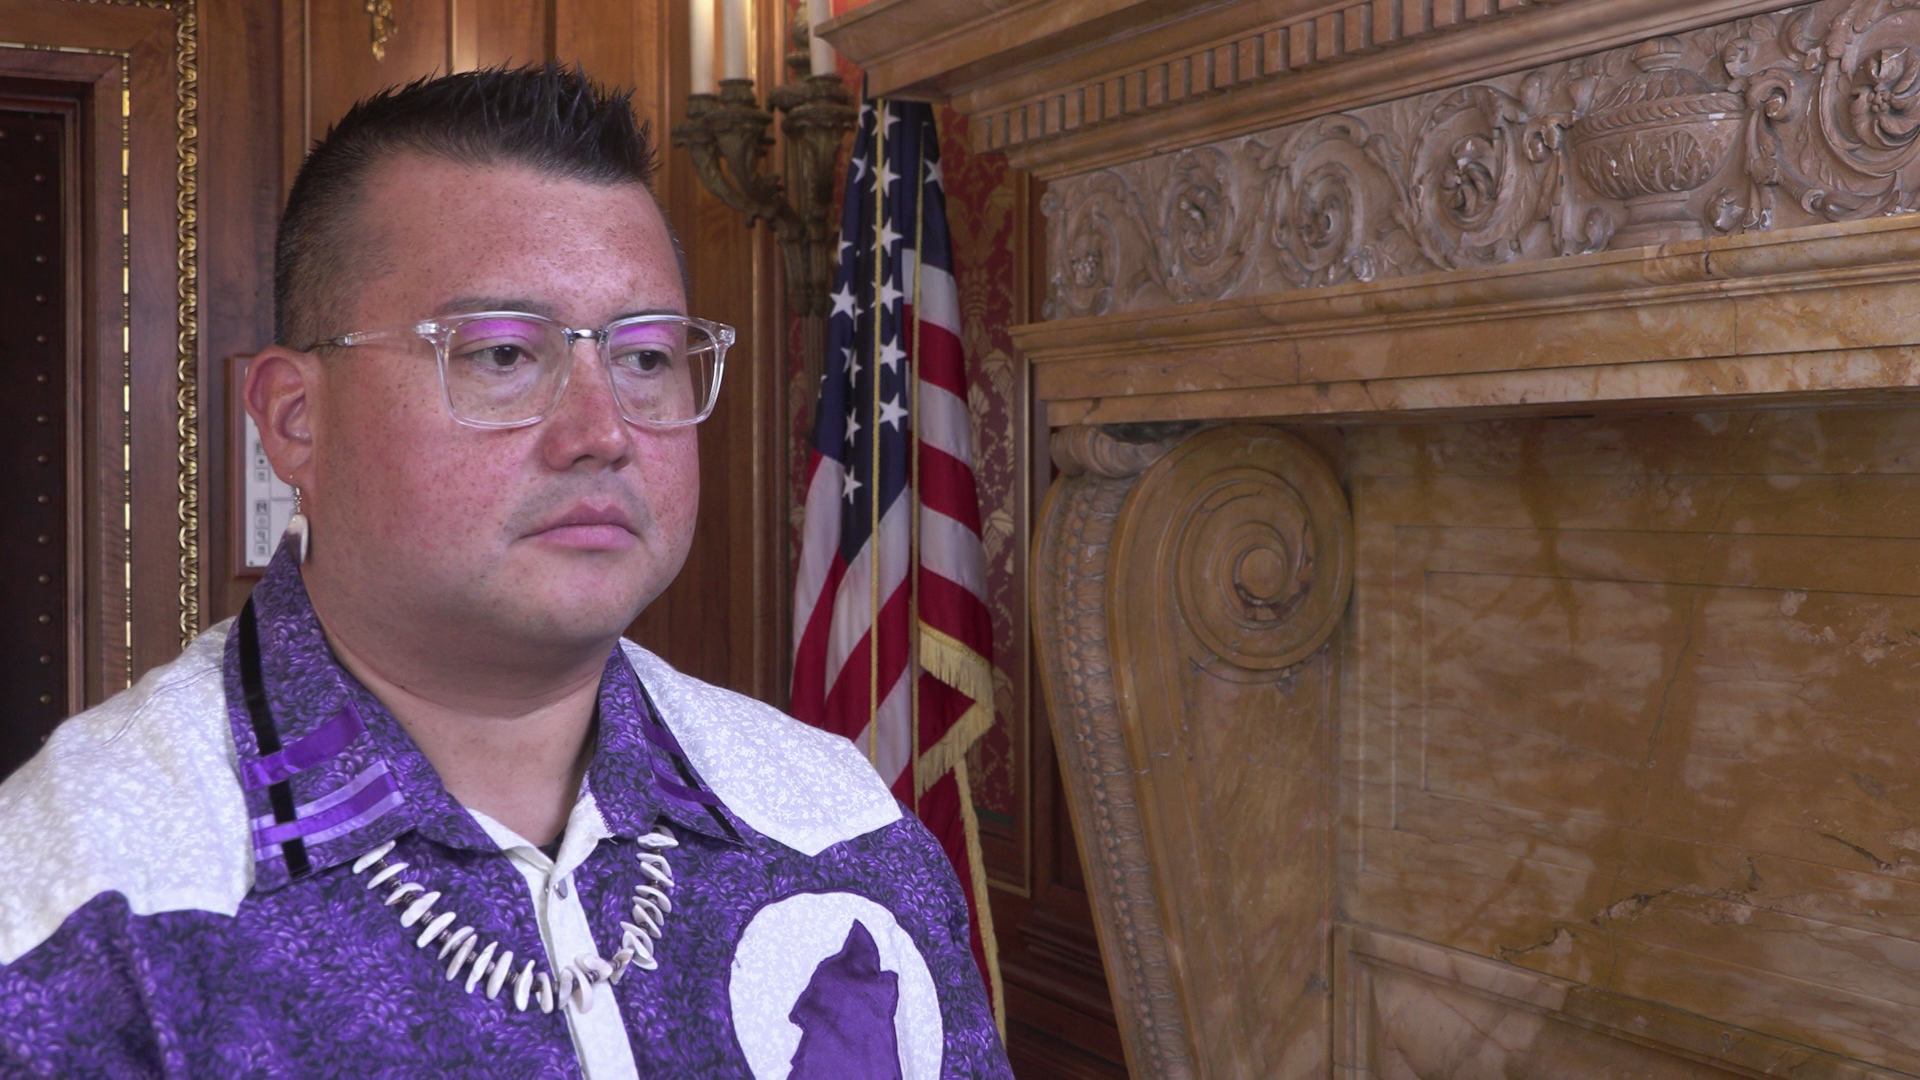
(726, 135)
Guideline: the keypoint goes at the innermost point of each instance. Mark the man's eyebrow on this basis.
(465, 305)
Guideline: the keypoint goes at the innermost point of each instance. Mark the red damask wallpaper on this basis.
(986, 214)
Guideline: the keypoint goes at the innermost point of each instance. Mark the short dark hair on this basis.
(549, 117)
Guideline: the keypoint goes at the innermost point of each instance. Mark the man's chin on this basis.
(578, 621)
(569, 595)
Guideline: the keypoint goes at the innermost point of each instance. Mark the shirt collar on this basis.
(337, 775)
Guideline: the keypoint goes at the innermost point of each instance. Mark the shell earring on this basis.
(297, 525)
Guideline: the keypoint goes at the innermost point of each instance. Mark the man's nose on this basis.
(586, 423)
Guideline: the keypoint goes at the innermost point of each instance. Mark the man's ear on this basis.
(280, 393)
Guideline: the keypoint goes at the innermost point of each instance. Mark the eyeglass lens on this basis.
(503, 370)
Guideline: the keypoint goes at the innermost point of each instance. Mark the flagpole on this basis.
(913, 445)
(873, 436)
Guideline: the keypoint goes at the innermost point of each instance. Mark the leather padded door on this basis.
(33, 421)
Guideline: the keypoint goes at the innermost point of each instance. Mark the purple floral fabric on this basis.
(314, 977)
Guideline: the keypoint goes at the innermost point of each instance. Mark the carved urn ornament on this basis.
(1655, 140)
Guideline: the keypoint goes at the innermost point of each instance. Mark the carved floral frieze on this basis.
(1804, 115)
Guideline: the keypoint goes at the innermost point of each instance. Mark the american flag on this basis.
(893, 512)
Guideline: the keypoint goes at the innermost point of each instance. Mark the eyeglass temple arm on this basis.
(347, 341)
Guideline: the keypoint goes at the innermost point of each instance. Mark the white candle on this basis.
(824, 63)
(701, 50)
(733, 38)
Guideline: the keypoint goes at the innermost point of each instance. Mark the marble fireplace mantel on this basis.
(1817, 315)
(1293, 211)
(1478, 602)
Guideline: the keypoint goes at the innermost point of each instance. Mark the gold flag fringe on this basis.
(953, 663)
(947, 659)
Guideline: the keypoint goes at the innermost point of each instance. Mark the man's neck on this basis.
(515, 752)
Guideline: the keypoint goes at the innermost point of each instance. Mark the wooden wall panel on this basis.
(1060, 1021)
(608, 38)
(341, 67)
(240, 184)
(482, 33)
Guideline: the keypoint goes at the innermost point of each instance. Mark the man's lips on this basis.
(589, 527)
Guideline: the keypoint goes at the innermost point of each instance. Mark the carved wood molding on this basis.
(1164, 553)
(1070, 85)
(1804, 116)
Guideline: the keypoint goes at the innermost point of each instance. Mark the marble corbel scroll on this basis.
(1185, 583)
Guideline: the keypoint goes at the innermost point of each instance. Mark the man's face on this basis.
(555, 534)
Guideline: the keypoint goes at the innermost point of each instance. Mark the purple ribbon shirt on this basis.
(184, 901)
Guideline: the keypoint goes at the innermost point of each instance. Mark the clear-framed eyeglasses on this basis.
(507, 369)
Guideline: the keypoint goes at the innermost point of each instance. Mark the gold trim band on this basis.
(186, 63)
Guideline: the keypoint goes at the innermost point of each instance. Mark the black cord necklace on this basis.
(267, 739)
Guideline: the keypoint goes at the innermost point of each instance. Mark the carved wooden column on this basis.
(1184, 586)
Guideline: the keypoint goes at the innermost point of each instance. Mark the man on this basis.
(419, 810)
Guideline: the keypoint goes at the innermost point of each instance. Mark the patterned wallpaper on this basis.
(983, 214)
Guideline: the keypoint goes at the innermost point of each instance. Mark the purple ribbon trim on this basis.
(305, 752)
(376, 789)
(658, 735)
(684, 793)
